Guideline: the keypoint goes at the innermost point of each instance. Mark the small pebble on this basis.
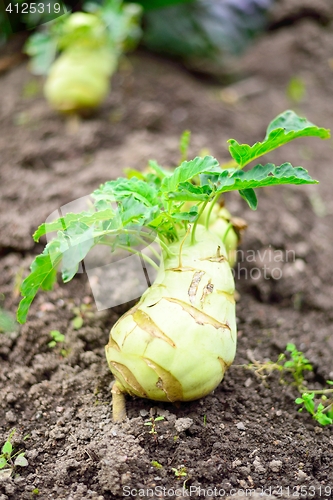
(248, 382)
(275, 465)
(240, 426)
(301, 475)
(10, 417)
(182, 424)
(258, 465)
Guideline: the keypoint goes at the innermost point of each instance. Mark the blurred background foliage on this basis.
(78, 45)
(192, 30)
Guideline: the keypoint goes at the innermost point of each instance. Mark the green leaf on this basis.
(187, 170)
(284, 128)
(250, 197)
(42, 49)
(21, 461)
(160, 171)
(329, 382)
(3, 462)
(69, 219)
(75, 243)
(7, 322)
(43, 275)
(190, 216)
(163, 224)
(77, 322)
(57, 336)
(139, 189)
(133, 211)
(308, 396)
(261, 176)
(323, 419)
(7, 448)
(188, 192)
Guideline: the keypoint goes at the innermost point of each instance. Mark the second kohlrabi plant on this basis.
(177, 342)
(79, 53)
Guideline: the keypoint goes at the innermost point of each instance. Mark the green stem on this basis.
(125, 231)
(328, 408)
(131, 250)
(320, 391)
(181, 248)
(144, 234)
(214, 200)
(196, 222)
(165, 247)
(151, 248)
(145, 257)
(226, 232)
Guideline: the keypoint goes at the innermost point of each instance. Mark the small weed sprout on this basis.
(156, 464)
(322, 409)
(152, 423)
(81, 314)
(57, 339)
(180, 471)
(297, 365)
(8, 460)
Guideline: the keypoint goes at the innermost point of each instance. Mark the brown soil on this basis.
(248, 433)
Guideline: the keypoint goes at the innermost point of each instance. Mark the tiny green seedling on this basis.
(7, 322)
(180, 471)
(322, 410)
(81, 314)
(152, 423)
(156, 464)
(297, 364)
(57, 338)
(8, 461)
